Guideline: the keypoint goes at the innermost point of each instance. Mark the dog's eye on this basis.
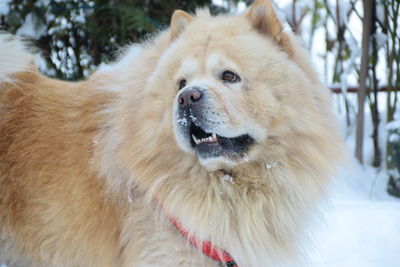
(229, 76)
(182, 83)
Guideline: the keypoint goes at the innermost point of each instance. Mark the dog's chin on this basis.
(220, 163)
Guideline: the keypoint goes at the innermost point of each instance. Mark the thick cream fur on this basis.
(84, 165)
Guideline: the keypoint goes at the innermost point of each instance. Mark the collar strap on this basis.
(206, 247)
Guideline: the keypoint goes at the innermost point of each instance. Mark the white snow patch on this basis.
(393, 125)
(362, 227)
(4, 7)
(360, 234)
(31, 28)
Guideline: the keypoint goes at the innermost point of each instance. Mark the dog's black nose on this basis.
(189, 97)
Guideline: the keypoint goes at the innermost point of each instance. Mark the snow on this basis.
(380, 12)
(362, 234)
(4, 7)
(343, 9)
(31, 28)
(362, 226)
(395, 124)
(295, 11)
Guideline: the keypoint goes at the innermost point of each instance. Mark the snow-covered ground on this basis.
(362, 225)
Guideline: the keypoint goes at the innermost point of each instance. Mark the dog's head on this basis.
(223, 90)
(222, 78)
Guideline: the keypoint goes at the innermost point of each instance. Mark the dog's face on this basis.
(211, 110)
(220, 82)
(222, 107)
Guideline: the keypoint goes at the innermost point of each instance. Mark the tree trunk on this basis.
(374, 104)
(363, 78)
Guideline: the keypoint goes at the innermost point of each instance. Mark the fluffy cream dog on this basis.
(217, 129)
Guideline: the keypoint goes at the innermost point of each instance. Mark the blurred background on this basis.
(75, 36)
(355, 46)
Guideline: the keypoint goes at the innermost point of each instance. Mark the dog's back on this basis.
(49, 196)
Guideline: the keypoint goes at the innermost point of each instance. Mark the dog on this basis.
(210, 144)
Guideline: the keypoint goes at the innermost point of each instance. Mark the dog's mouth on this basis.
(209, 145)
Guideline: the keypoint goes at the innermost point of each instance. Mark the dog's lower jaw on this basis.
(219, 163)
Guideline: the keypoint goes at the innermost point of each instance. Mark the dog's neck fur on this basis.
(262, 203)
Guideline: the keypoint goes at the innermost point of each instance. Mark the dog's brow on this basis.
(189, 66)
(212, 60)
(216, 60)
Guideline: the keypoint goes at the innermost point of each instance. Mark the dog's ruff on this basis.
(81, 163)
(206, 247)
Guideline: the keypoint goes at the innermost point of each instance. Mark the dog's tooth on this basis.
(195, 139)
(214, 136)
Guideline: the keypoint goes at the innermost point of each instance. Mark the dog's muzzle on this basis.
(198, 123)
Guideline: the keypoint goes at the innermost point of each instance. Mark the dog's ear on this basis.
(264, 19)
(179, 21)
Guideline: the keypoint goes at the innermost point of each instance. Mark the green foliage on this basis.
(394, 160)
(74, 36)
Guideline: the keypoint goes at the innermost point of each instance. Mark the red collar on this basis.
(206, 247)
